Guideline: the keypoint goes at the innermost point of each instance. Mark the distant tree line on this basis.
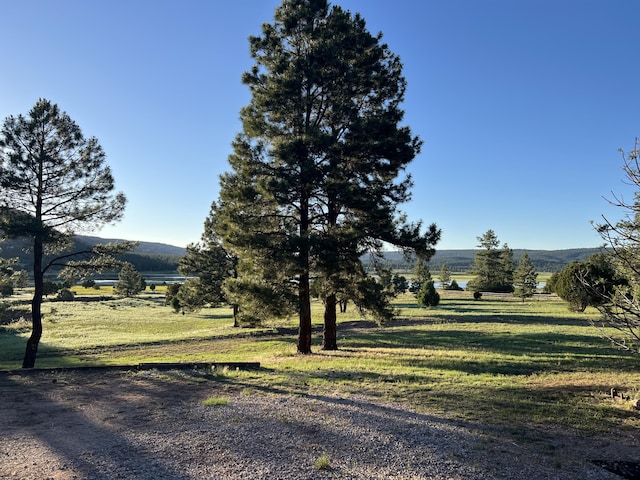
(17, 249)
(462, 260)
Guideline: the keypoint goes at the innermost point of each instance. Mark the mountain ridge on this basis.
(147, 256)
(460, 260)
(162, 256)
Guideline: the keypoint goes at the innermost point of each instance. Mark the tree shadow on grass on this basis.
(507, 353)
(13, 342)
(503, 405)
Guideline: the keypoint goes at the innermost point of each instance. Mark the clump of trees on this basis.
(206, 266)
(444, 275)
(316, 174)
(493, 267)
(421, 275)
(53, 182)
(10, 278)
(6, 277)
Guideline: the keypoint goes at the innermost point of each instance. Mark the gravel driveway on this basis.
(151, 425)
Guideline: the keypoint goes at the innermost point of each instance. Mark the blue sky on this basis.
(522, 105)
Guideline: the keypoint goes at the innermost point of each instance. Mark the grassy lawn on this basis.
(498, 360)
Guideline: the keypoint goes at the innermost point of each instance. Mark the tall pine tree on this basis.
(54, 182)
(321, 155)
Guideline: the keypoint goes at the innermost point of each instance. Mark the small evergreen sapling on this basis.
(428, 296)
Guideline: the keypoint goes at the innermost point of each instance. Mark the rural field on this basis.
(518, 377)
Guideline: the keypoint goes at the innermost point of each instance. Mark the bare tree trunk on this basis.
(304, 334)
(36, 307)
(236, 312)
(330, 339)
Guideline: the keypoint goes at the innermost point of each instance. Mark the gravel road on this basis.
(153, 426)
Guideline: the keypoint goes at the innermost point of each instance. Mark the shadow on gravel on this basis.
(435, 447)
(129, 425)
(34, 412)
(628, 470)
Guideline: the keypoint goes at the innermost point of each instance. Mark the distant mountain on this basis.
(148, 256)
(152, 256)
(147, 248)
(462, 260)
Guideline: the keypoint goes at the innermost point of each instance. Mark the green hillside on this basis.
(147, 257)
(462, 260)
(152, 256)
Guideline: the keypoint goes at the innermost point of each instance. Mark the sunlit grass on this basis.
(215, 401)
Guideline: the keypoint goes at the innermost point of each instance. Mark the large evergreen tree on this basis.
(315, 179)
(54, 182)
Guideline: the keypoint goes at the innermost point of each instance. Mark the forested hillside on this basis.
(147, 257)
(151, 256)
(462, 260)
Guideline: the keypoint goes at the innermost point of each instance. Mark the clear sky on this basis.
(522, 105)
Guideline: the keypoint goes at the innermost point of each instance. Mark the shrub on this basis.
(427, 296)
(323, 462)
(65, 295)
(171, 292)
(477, 295)
(175, 304)
(6, 288)
(50, 288)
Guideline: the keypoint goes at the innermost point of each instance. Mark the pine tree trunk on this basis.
(330, 339)
(304, 290)
(343, 305)
(304, 335)
(236, 312)
(36, 307)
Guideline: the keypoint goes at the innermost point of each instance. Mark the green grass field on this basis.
(499, 360)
